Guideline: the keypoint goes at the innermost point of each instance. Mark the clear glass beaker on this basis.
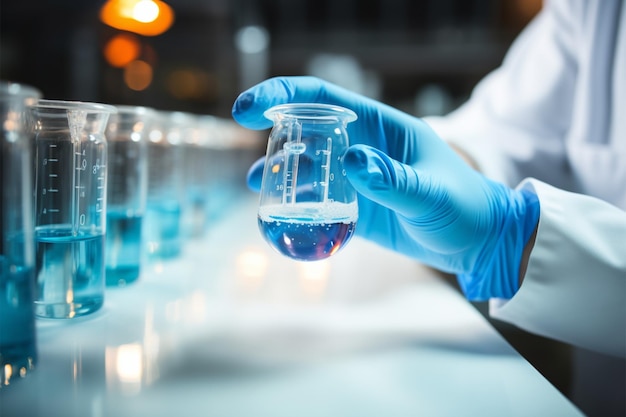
(18, 349)
(127, 189)
(70, 206)
(227, 163)
(162, 232)
(308, 209)
(202, 174)
(195, 175)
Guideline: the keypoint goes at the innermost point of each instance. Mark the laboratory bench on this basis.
(230, 328)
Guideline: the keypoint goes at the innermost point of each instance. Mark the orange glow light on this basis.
(144, 17)
(138, 75)
(121, 49)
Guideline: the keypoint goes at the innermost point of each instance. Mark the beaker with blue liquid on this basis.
(162, 231)
(196, 154)
(127, 141)
(18, 348)
(70, 206)
(308, 208)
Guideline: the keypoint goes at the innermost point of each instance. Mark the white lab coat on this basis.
(556, 111)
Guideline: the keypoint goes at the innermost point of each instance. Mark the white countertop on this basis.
(233, 329)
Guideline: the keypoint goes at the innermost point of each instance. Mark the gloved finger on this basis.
(249, 107)
(390, 183)
(255, 174)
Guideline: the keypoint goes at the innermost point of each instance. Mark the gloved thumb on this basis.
(255, 175)
(388, 182)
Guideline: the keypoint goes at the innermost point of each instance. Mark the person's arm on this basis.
(531, 242)
(517, 117)
(523, 266)
(574, 288)
(572, 276)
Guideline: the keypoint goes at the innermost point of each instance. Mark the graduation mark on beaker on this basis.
(293, 149)
(326, 167)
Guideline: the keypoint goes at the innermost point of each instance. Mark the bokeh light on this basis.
(138, 75)
(143, 17)
(191, 83)
(121, 50)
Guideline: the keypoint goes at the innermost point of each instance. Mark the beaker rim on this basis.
(76, 105)
(135, 110)
(13, 89)
(311, 111)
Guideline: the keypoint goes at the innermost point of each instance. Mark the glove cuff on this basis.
(496, 274)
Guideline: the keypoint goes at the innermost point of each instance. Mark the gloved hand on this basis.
(417, 196)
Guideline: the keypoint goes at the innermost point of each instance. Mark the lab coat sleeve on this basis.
(517, 116)
(574, 289)
(514, 126)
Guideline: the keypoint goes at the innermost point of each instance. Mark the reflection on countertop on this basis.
(233, 329)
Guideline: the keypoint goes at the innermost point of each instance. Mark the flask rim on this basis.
(75, 105)
(311, 112)
(12, 90)
(125, 109)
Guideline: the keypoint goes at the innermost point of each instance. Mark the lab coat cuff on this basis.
(567, 276)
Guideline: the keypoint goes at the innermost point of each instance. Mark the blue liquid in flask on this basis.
(123, 247)
(308, 234)
(70, 272)
(18, 347)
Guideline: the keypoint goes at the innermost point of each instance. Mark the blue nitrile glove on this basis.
(417, 196)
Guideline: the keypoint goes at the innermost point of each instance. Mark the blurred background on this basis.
(197, 55)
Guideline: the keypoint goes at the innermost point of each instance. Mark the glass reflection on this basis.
(124, 368)
(132, 365)
(251, 270)
(313, 278)
(198, 307)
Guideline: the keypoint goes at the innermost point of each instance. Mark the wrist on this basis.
(501, 264)
(523, 266)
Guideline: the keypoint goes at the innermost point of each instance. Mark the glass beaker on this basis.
(308, 209)
(195, 178)
(18, 350)
(162, 224)
(127, 188)
(70, 206)
(226, 165)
